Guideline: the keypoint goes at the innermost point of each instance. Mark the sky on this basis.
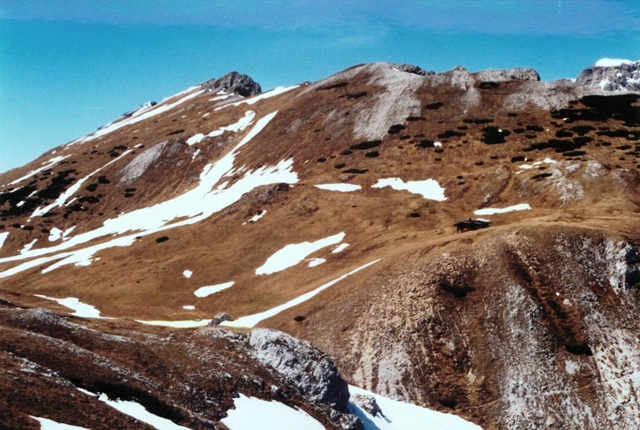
(68, 67)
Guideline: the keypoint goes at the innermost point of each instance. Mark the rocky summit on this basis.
(386, 248)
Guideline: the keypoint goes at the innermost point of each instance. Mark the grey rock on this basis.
(220, 317)
(141, 163)
(301, 366)
(234, 82)
(506, 75)
(368, 404)
(409, 68)
(624, 77)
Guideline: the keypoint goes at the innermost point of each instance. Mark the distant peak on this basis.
(236, 83)
(612, 62)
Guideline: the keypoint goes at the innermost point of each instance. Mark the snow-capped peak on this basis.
(612, 62)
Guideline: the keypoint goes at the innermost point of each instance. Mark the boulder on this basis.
(301, 366)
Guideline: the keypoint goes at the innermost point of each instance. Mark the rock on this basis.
(302, 366)
(409, 68)
(220, 317)
(506, 75)
(234, 82)
(621, 76)
(368, 404)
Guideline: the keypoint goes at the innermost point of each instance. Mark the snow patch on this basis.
(196, 138)
(80, 309)
(340, 248)
(46, 424)
(398, 415)
(47, 165)
(274, 92)
(251, 320)
(316, 262)
(187, 274)
(189, 307)
(250, 413)
(212, 289)
(177, 324)
(137, 411)
(343, 188)
(493, 211)
(3, 237)
(293, 254)
(429, 188)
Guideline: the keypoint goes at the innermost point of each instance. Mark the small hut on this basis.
(471, 224)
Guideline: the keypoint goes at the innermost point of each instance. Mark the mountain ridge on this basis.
(353, 186)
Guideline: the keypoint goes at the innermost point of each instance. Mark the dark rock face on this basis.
(236, 83)
(622, 77)
(302, 366)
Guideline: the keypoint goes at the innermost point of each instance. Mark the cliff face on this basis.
(612, 75)
(329, 211)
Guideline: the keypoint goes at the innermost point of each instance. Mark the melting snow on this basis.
(46, 424)
(80, 309)
(196, 138)
(3, 237)
(252, 320)
(187, 274)
(47, 164)
(274, 92)
(493, 211)
(250, 413)
(207, 291)
(405, 416)
(340, 248)
(137, 411)
(194, 205)
(316, 262)
(177, 324)
(28, 246)
(293, 254)
(256, 217)
(429, 188)
(62, 198)
(343, 188)
(242, 123)
(55, 234)
(156, 110)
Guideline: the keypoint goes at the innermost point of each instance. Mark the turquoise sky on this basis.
(70, 66)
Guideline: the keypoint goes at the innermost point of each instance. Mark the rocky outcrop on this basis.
(302, 366)
(409, 68)
(234, 82)
(611, 75)
(506, 75)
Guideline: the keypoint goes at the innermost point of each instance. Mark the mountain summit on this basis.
(612, 75)
(385, 248)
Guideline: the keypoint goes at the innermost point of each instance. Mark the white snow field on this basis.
(493, 211)
(429, 188)
(405, 416)
(176, 324)
(295, 253)
(80, 309)
(274, 92)
(250, 413)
